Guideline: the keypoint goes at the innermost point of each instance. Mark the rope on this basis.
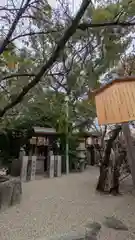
(124, 177)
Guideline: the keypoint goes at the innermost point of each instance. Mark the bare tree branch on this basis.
(5, 90)
(8, 9)
(60, 84)
(60, 46)
(13, 27)
(33, 33)
(28, 75)
(18, 75)
(84, 26)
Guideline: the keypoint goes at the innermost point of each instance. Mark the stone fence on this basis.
(10, 192)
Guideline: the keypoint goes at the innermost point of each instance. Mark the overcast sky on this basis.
(75, 3)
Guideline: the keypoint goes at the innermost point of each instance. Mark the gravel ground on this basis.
(54, 206)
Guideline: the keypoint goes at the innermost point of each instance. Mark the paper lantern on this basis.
(115, 102)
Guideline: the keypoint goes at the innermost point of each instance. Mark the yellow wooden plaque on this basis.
(115, 102)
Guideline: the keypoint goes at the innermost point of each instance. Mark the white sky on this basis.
(2, 2)
(75, 4)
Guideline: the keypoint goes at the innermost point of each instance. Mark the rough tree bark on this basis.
(104, 168)
(130, 149)
(103, 136)
(116, 172)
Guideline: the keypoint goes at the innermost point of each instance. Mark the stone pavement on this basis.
(51, 208)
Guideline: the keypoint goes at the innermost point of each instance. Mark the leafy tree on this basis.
(126, 67)
(41, 20)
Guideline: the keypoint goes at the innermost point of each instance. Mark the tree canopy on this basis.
(44, 48)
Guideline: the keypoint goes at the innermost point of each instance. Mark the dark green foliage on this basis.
(10, 142)
(73, 143)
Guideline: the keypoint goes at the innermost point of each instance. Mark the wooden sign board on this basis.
(33, 141)
(33, 168)
(115, 102)
(42, 141)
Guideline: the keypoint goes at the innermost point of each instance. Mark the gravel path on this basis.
(55, 206)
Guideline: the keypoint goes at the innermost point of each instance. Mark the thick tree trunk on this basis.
(116, 173)
(130, 149)
(104, 168)
(103, 136)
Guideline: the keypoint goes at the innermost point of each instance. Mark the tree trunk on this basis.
(104, 168)
(130, 149)
(116, 173)
(103, 136)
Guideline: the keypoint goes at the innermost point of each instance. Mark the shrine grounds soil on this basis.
(52, 207)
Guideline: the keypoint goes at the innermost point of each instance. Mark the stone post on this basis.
(55, 165)
(21, 154)
(51, 165)
(58, 166)
(88, 154)
(24, 168)
(33, 168)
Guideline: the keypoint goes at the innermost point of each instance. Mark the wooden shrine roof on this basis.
(42, 130)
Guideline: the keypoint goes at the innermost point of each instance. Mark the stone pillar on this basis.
(51, 166)
(55, 165)
(24, 168)
(58, 166)
(21, 154)
(88, 154)
(33, 168)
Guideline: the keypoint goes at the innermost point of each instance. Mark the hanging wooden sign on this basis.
(43, 141)
(33, 141)
(115, 102)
